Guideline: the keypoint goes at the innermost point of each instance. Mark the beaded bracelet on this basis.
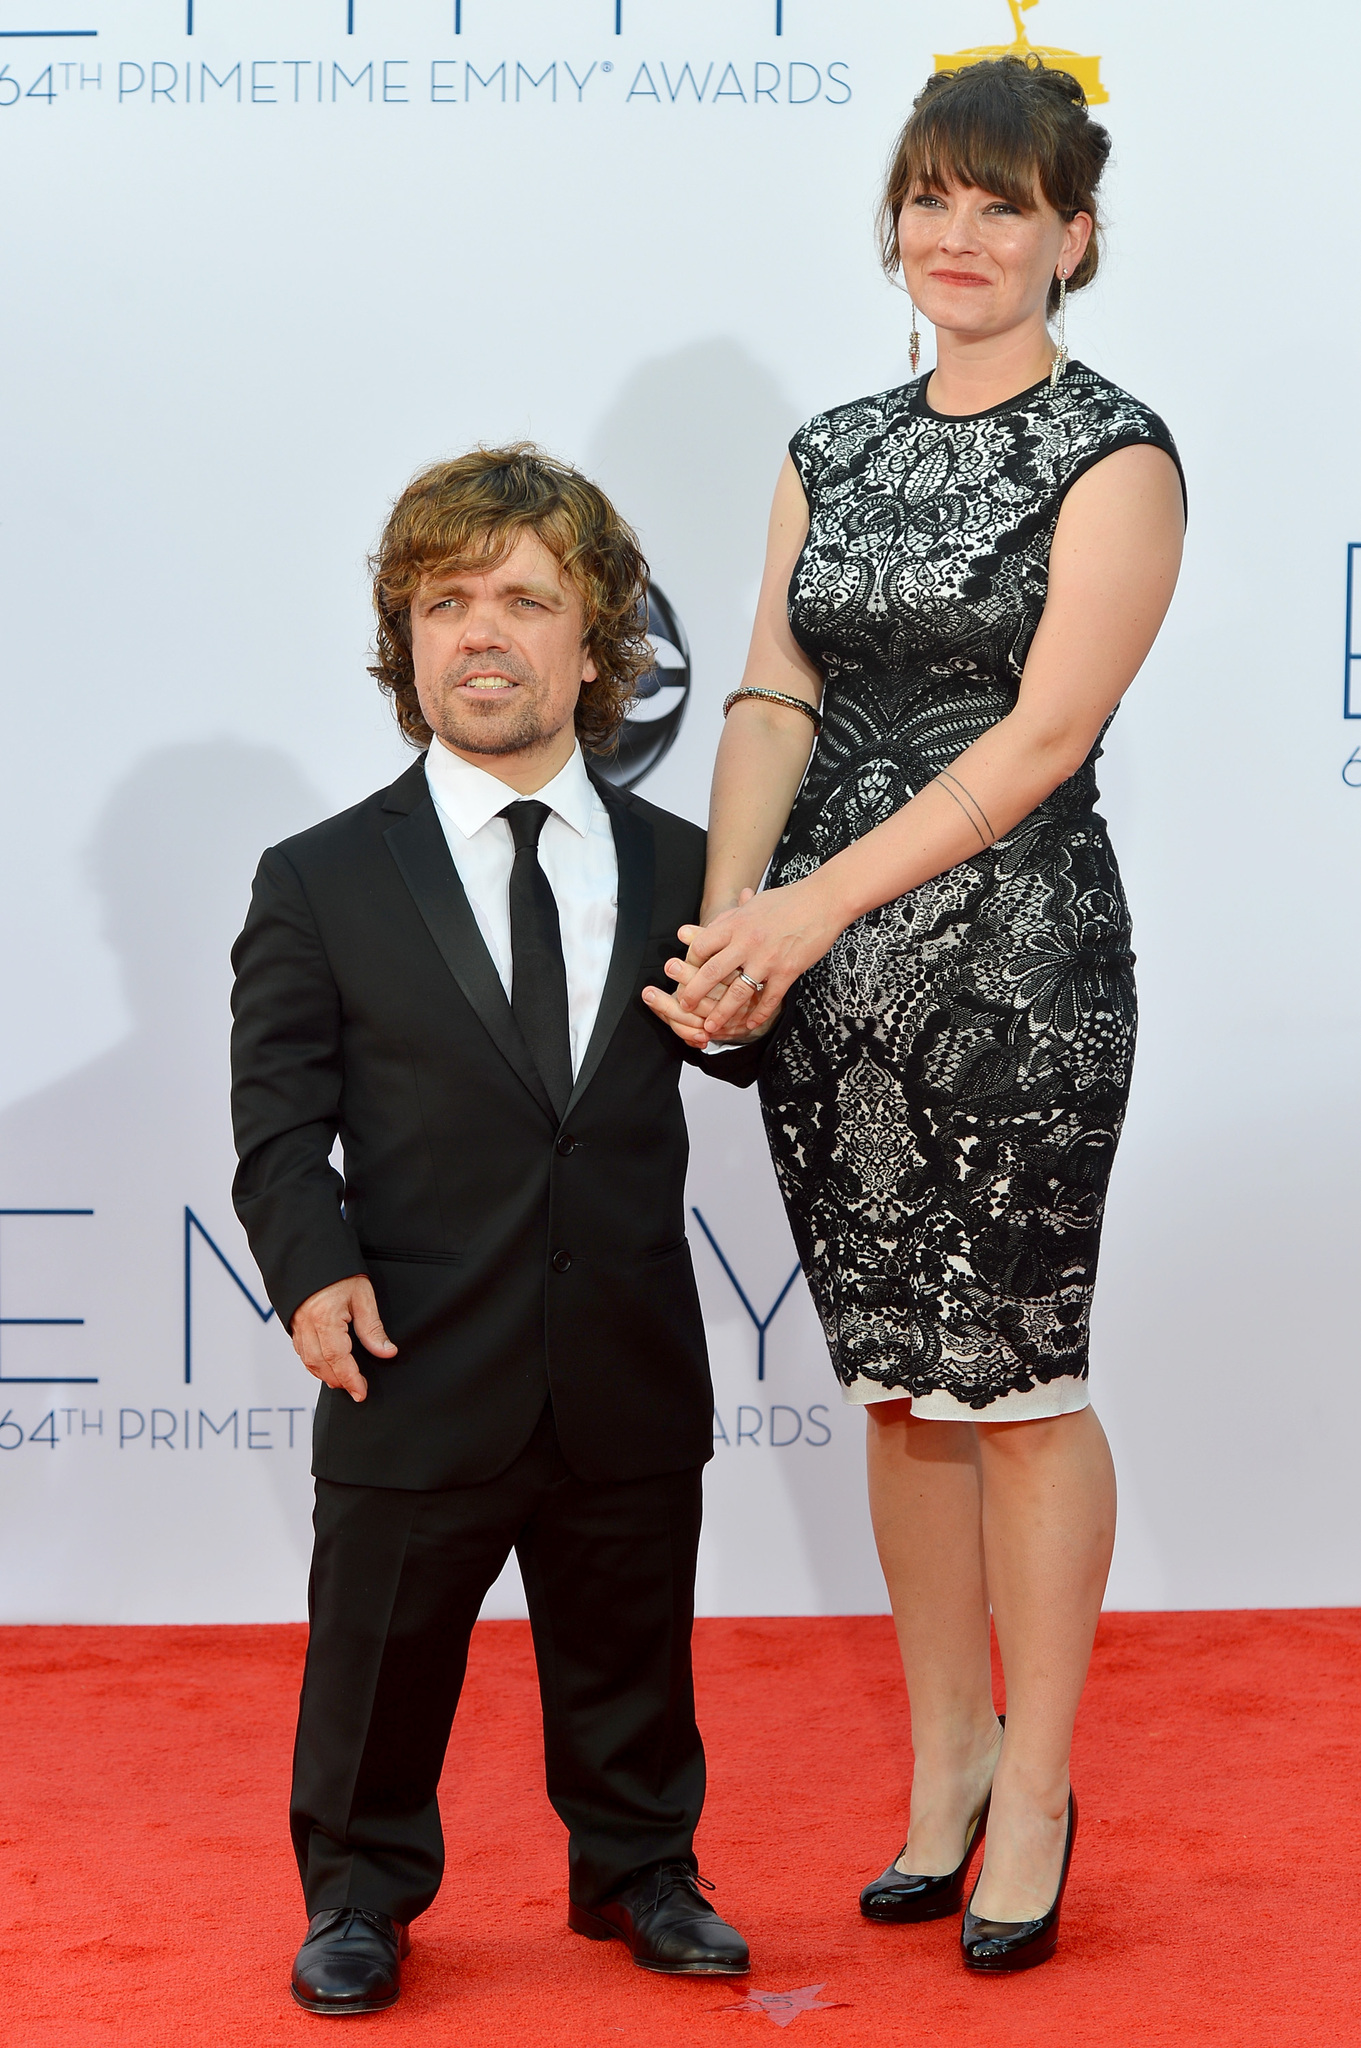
(776, 697)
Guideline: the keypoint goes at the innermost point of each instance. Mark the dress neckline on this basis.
(921, 404)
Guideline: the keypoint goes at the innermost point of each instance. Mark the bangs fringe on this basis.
(987, 154)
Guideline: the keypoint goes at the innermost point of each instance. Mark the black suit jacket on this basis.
(513, 1252)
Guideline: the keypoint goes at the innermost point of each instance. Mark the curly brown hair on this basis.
(471, 511)
(1005, 125)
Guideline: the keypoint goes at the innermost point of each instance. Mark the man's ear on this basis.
(589, 672)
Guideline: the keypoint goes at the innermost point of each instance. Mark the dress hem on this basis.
(1064, 1396)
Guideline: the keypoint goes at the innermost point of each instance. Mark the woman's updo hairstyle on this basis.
(1006, 126)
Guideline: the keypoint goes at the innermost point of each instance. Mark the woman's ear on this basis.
(1078, 235)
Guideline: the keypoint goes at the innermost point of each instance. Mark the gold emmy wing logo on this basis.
(1086, 70)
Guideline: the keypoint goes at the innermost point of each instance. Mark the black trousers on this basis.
(397, 1581)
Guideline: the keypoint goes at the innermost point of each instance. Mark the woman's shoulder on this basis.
(1096, 409)
(1097, 417)
(842, 433)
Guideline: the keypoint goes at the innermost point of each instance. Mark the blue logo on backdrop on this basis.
(1351, 663)
(158, 1428)
(783, 1425)
(263, 1310)
(28, 1379)
(762, 1323)
(152, 80)
(47, 34)
(172, 1429)
(1351, 669)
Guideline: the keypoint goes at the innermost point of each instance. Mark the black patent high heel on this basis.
(903, 1897)
(1000, 1945)
(899, 1896)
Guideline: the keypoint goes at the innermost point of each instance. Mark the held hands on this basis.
(321, 1333)
(772, 938)
(690, 1025)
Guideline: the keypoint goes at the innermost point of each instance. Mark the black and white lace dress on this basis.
(945, 1095)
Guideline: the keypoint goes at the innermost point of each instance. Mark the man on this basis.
(496, 1294)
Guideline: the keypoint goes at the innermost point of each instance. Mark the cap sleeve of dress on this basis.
(1157, 434)
(1125, 424)
(807, 453)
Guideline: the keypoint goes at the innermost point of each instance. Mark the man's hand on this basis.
(692, 1026)
(683, 1024)
(321, 1333)
(750, 956)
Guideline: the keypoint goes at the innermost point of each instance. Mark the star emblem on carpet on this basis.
(784, 2007)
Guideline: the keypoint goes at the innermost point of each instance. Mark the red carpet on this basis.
(150, 1897)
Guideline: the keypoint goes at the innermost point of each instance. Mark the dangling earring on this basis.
(1060, 362)
(914, 341)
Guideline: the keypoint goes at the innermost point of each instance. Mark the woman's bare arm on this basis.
(762, 754)
(765, 747)
(1112, 570)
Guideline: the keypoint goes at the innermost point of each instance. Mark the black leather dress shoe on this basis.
(667, 1925)
(899, 1897)
(1001, 1945)
(350, 1963)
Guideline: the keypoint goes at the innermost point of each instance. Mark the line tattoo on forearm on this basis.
(969, 805)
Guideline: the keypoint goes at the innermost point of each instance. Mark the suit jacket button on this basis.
(566, 1144)
(561, 1261)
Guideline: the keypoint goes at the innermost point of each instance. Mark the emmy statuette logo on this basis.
(1086, 70)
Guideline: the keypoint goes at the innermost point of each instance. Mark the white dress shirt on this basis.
(576, 852)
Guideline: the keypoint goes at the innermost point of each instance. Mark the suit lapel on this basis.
(636, 854)
(417, 844)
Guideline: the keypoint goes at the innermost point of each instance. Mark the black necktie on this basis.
(538, 987)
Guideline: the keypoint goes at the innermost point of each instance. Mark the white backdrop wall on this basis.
(251, 276)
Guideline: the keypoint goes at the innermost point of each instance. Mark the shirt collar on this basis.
(470, 797)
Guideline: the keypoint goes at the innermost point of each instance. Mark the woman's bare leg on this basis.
(925, 1503)
(1048, 1531)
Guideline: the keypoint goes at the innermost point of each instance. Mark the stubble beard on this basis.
(512, 728)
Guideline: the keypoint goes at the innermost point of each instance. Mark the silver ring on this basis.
(742, 975)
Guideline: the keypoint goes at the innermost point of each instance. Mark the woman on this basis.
(964, 575)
